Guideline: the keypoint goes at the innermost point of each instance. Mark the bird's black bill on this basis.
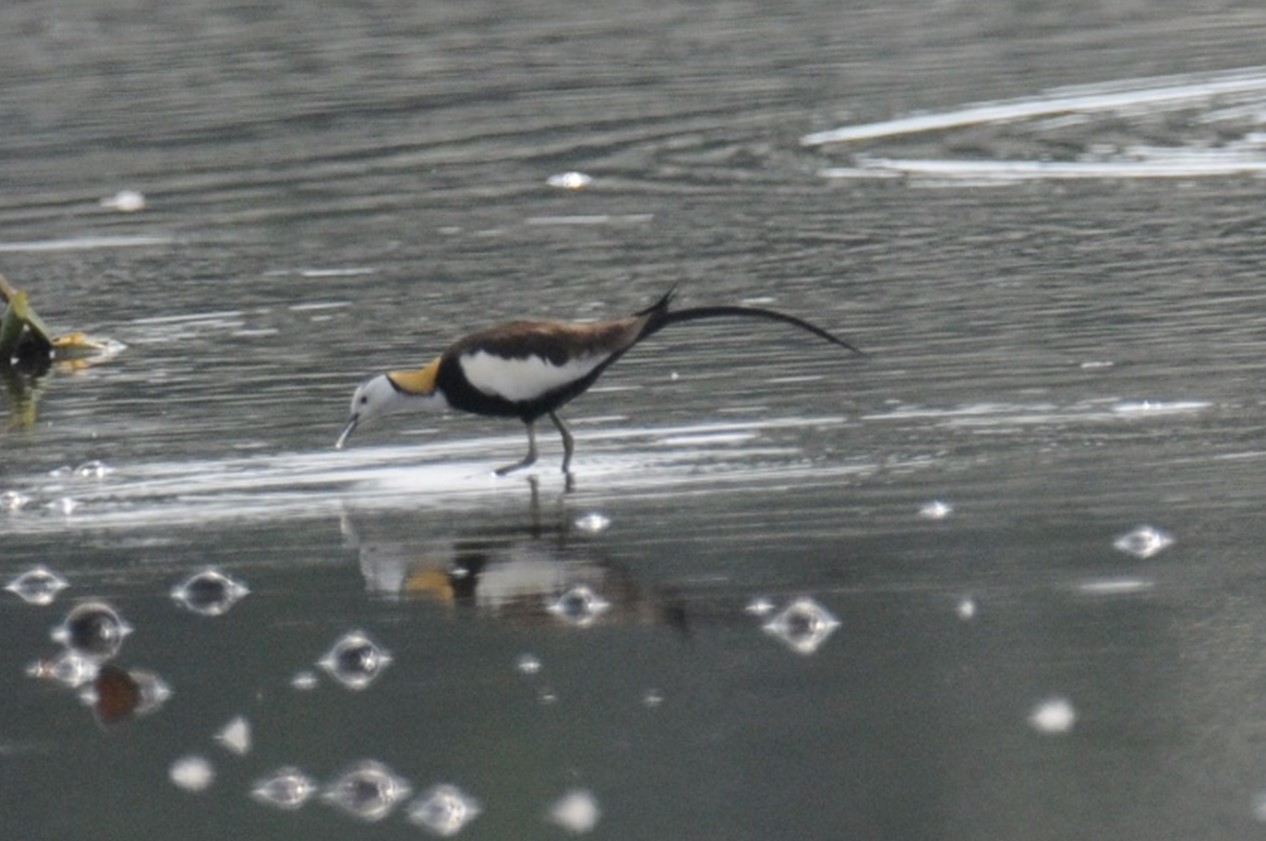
(347, 432)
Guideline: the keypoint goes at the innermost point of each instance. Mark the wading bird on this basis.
(528, 369)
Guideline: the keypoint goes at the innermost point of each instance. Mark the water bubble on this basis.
(759, 606)
(579, 606)
(652, 698)
(69, 668)
(546, 696)
(192, 773)
(117, 695)
(37, 586)
(304, 681)
(803, 625)
(1053, 716)
(93, 470)
(210, 593)
(124, 201)
(937, 509)
(94, 629)
(569, 180)
(576, 811)
(286, 788)
(593, 522)
(13, 501)
(444, 810)
(369, 791)
(966, 609)
(355, 660)
(65, 505)
(528, 664)
(1259, 806)
(1115, 586)
(236, 736)
(1144, 542)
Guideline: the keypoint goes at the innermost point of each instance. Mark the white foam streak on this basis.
(1168, 90)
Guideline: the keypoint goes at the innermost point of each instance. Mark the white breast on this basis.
(526, 379)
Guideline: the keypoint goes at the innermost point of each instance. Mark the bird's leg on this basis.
(528, 459)
(569, 445)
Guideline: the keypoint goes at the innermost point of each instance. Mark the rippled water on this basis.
(998, 579)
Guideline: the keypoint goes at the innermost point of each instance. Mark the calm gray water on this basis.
(1061, 298)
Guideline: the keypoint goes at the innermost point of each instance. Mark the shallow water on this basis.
(1056, 360)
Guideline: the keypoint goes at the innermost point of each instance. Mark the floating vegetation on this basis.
(286, 788)
(802, 625)
(355, 660)
(94, 629)
(38, 586)
(580, 606)
(28, 349)
(368, 790)
(209, 592)
(443, 810)
(1144, 542)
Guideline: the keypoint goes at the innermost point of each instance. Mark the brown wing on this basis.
(555, 341)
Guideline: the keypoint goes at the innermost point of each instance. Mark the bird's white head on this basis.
(397, 391)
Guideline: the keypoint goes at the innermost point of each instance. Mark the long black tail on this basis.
(662, 317)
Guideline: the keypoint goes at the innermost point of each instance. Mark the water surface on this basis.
(1056, 360)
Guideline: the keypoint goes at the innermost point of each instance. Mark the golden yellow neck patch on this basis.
(421, 381)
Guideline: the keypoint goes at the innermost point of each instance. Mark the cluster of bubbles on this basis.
(58, 501)
(1056, 715)
(92, 634)
(371, 791)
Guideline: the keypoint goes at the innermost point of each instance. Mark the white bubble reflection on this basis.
(286, 788)
(1053, 717)
(569, 180)
(577, 811)
(209, 593)
(38, 586)
(93, 470)
(13, 501)
(444, 810)
(593, 523)
(192, 773)
(580, 606)
(69, 668)
(937, 509)
(235, 736)
(355, 660)
(368, 790)
(93, 629)
(804, 625)
(1144, 542)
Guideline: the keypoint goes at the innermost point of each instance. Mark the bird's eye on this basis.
(364, 398)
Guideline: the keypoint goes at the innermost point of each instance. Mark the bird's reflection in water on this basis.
(532, 569)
